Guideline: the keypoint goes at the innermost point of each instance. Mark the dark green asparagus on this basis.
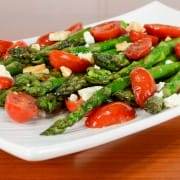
(99, 98)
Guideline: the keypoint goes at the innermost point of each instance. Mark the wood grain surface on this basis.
(151, 154)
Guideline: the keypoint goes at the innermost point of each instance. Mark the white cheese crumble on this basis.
(159, 94)
(89, 39)
(87, 56)
(96, 67)
(86, 45)
(59, 36)
(159, 86)
(168, 61)
(38, 69)
(86, 93)
(66, 72)
(73, 97)
(172, 101)
(36, 46)
(4, 72)
(135, 26)
(168, 38)
(122, 46)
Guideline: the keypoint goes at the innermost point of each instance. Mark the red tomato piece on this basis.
(73, 105)
(139, 49)
(162, 31)
(59, 58)
(5, 82)
(177, 50)
(75, 27)
(143, 85)
(108, 30)
(109, 114)
(4, 46)
(21, 107)
(44, 40)
(135, 36)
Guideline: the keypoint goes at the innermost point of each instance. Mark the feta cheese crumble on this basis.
(86, 93)
(168, 61)
(172, 101)
(66, 72)
(73, 97)
(36, 46)
(89, 39)
(59, 36)
(87, 56)
(122, 46)
(135, 26)
(4, 72)
(159, 86)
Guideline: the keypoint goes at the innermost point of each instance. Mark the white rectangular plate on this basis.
(25, 142)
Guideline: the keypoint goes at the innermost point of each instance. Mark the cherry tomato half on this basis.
(21, 107)
(44, 40)
(109, 114)
(73, 105)
(143, 85)
(59, 58)
(139, 49)
(162, 31)
(5, 82)
(177, 50)
(135, 36)
(4, 46)
(75, 27)
(108, 30)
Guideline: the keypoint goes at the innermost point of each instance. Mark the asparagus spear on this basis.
(73, 84)
(98, 47)
(158, 54)
(112, 62)
(14, 68)
(155, 104)
(99, 98)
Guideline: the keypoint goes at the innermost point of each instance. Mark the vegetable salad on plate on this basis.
(103, 73)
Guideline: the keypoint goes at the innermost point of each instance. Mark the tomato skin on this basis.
(73, 105)
(4, 46)
(143, 85)
(162, 31)
(5, 82)
(44, 40)
(75, 27)
(177, 50)
(139, 49)
(59, 58)
(107, 30)
(21, 107)
(135, 36)
(109, 114)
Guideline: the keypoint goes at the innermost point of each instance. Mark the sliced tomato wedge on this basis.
(59, 58)
(4, 46)
(73, 105)
(5, 82)
(75, 27)
(177, 50)
(143, 85)
(139, 49)
(21, 107)
(162, 31)
(44, 40)
(108, 30)
(135, 36)
(109, 114)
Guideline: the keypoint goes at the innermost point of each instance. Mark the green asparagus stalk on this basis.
(99, 98)
(155, 104)
(98, 47)
(14, 68)
(112, 62)
(73, 84)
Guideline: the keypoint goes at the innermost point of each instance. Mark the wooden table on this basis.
(151, 154)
